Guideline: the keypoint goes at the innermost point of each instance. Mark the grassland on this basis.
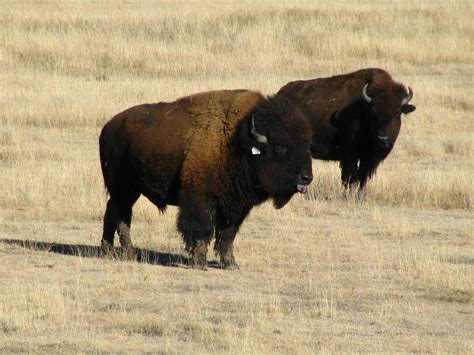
(328, 273)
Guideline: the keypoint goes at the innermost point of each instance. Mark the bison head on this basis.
(387, 103)
(276, 138)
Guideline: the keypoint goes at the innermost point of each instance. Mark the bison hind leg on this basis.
(108, 234)
(118, 217)
(127, 250)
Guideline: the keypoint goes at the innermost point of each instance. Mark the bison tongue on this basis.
(302, 189)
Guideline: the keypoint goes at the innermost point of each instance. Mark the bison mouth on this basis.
(302, 189)
(383, 152)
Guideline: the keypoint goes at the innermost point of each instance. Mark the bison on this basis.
(355, 118)
(215, 155)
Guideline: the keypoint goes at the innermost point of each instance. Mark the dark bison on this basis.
(355, 118)
(214, 154)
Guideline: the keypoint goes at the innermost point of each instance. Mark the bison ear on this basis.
(408, 108)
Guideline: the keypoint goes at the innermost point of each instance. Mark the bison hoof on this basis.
(128, 253)
(199, 260)
(199, 265)
(361, 194)
(230, 266)
(228, 262)
(107, 249)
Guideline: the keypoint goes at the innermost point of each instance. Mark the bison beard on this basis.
(231, 150)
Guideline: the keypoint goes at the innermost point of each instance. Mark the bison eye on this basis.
(280, 150)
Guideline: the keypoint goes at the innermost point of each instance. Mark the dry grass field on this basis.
(392, 272)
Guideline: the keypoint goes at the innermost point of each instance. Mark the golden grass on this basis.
(331, 272)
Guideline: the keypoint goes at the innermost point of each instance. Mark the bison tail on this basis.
(111, 157)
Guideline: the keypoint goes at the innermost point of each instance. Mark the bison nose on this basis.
(306, 178)
(384, 141)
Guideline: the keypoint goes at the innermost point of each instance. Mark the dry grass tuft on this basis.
(458, 296)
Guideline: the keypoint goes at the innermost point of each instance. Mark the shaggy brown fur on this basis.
(346, 127)
(206, 154)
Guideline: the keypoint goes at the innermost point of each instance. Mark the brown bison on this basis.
(355, 118)
(214, 154)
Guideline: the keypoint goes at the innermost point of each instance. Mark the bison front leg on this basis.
(349, 171)
(363, 177)
(225, 247)
(225, 234)
(196, 224)
(367, 168)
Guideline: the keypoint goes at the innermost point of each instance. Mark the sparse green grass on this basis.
(391, 272)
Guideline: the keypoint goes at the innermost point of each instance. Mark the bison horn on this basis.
(257, 136)
(364, 93)
(408, 97)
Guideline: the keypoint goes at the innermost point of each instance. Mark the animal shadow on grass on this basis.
(90, 251)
